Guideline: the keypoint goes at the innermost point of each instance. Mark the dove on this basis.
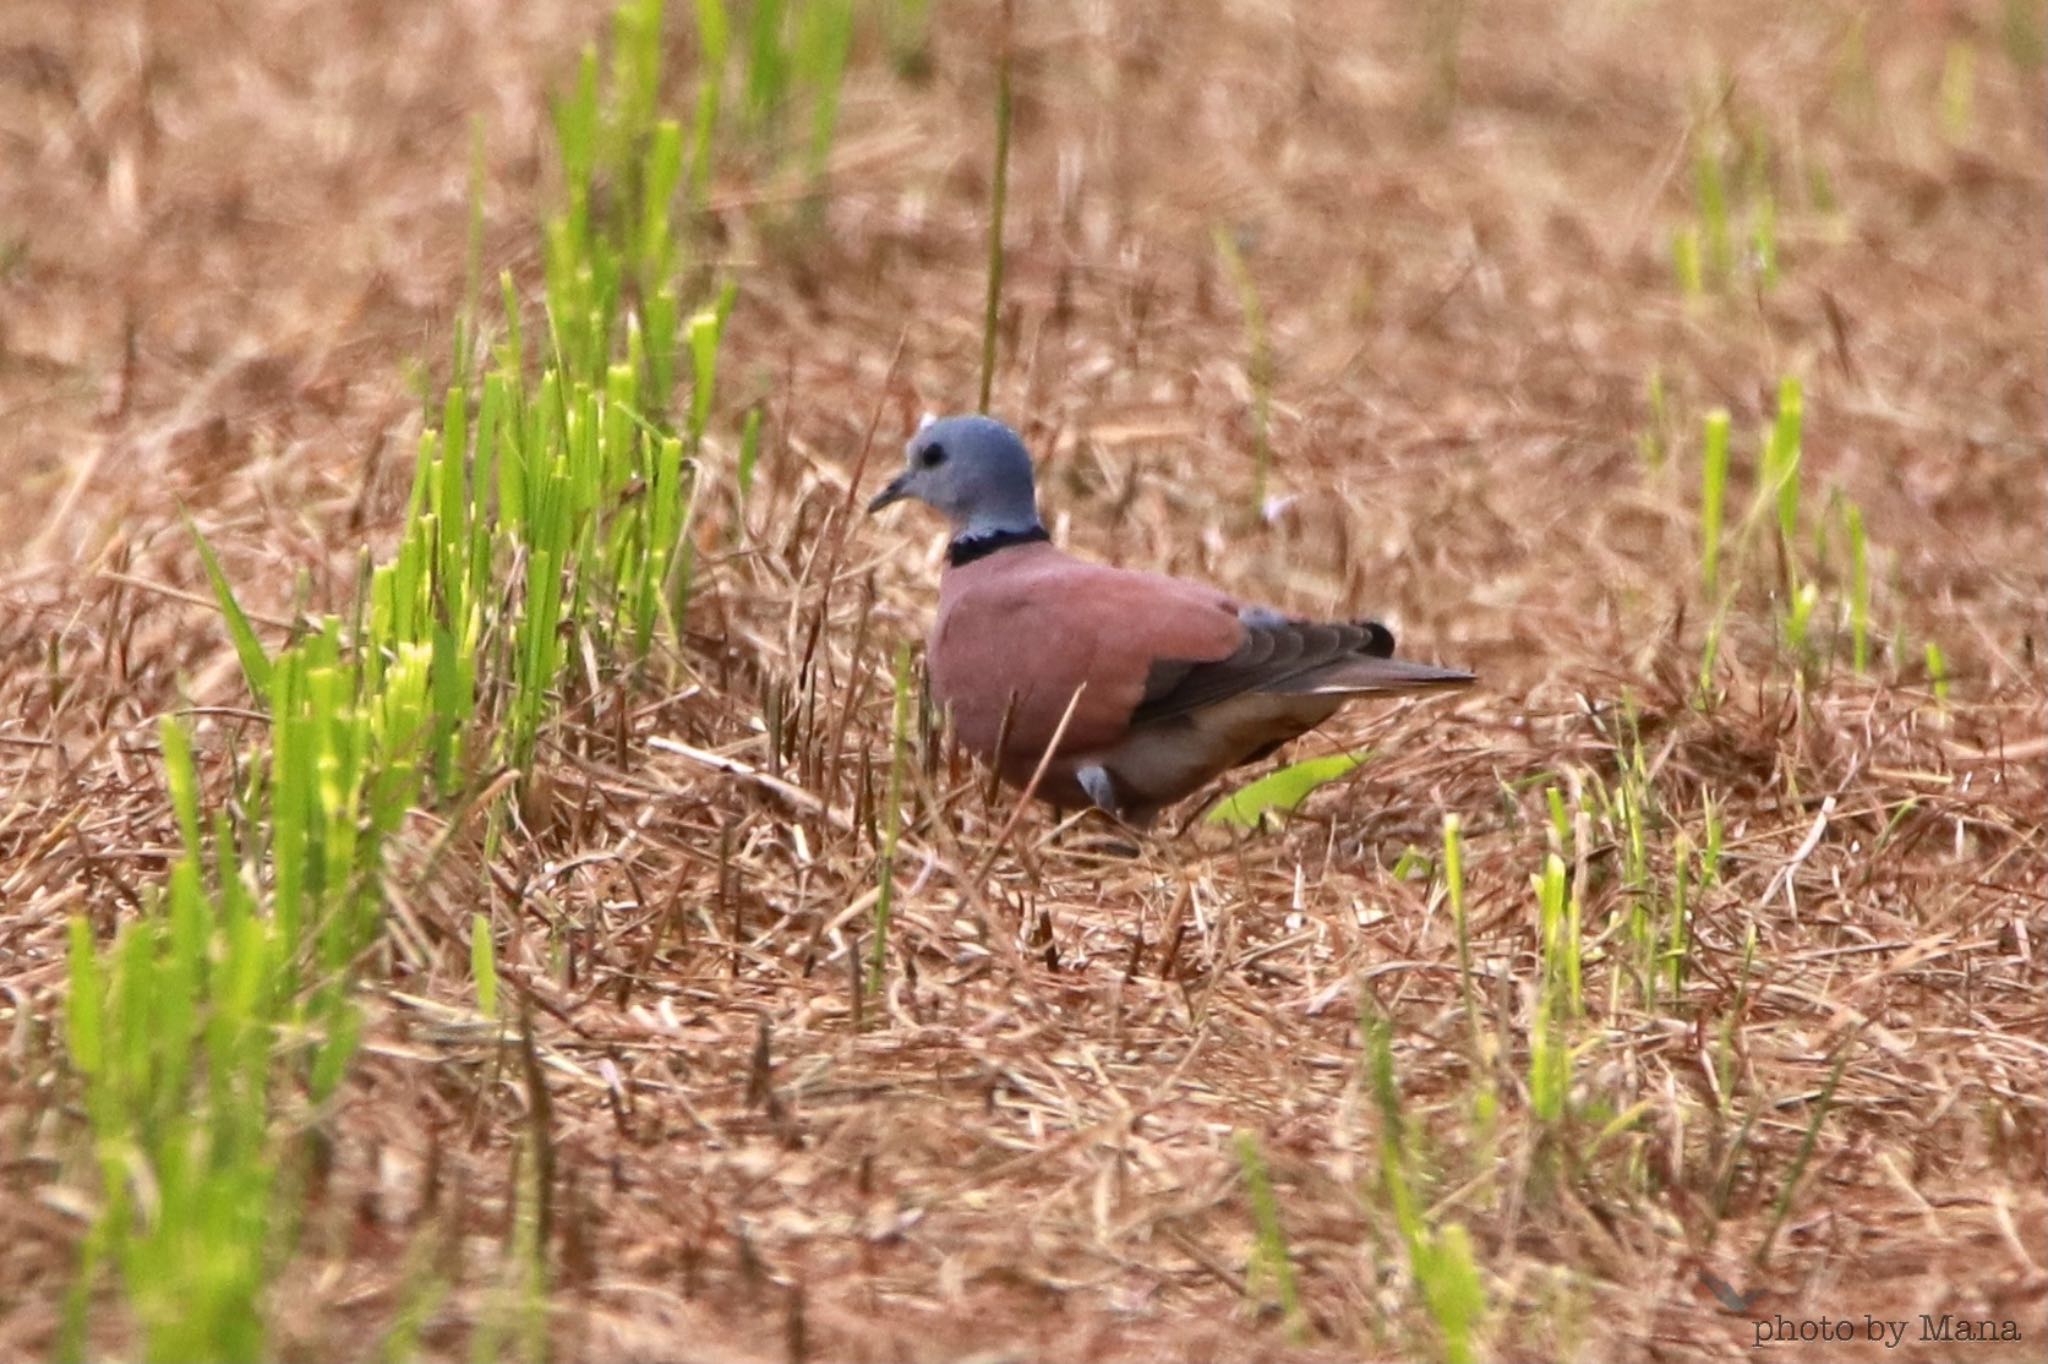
(1171, 683)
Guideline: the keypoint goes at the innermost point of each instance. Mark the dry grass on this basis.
(228, 233)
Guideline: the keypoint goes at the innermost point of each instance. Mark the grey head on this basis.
(974, 471)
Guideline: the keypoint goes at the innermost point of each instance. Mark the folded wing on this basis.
(1287, 657)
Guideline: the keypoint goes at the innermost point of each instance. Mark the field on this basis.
(478, 879)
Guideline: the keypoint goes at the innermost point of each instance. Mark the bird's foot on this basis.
(1108, 846)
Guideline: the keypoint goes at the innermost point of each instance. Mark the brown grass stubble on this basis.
(1031, 1148)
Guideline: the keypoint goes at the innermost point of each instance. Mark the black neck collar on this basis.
(968, 548)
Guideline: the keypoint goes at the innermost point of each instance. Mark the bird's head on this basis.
(974, 471)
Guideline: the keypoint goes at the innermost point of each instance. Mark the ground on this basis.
(233, 251)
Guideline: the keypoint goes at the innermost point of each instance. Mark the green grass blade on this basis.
(1272, 1255)
(249, 649)
(1283, 791)
(1713, 498)
(483, 965)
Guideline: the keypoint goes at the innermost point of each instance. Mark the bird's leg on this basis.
(1095, 780)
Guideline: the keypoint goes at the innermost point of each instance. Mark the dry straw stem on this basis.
(231, 238)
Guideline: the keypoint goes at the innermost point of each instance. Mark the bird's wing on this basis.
(1287, 657)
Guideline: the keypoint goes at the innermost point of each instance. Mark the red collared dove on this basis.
(1177, 682)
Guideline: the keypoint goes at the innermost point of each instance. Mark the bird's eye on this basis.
(932, 457)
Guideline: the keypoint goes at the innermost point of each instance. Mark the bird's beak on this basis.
(895, 492)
